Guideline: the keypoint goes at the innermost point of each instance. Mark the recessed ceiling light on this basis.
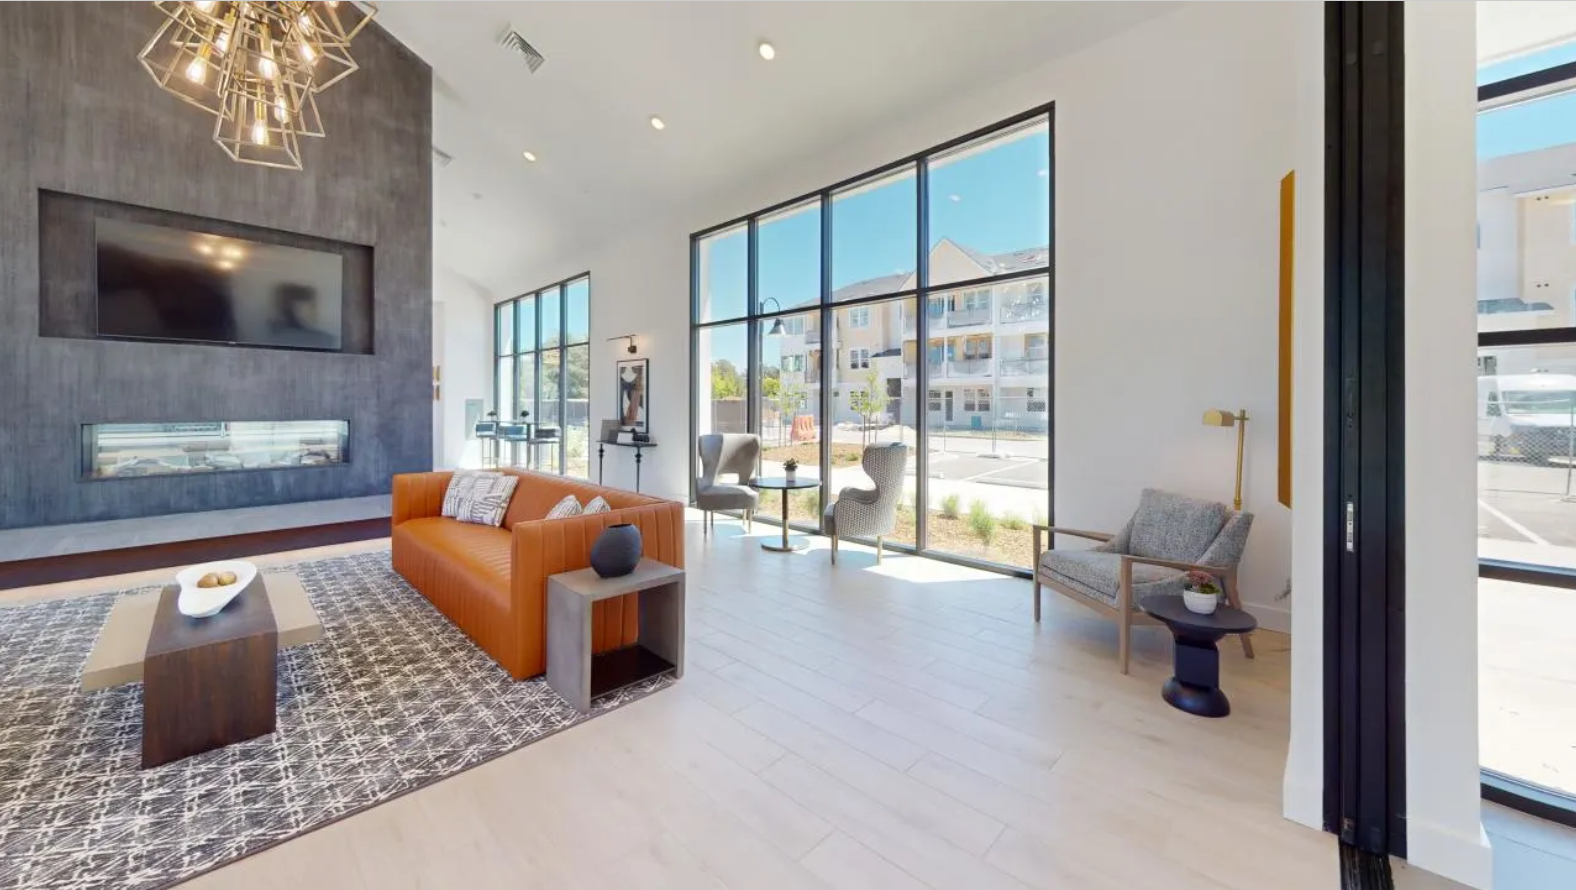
(231, 252)
(205, 249)
(529, 156)
(657, 124)
(225, 265)
(767, 51)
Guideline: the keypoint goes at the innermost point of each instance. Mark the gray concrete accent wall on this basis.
(79, 115)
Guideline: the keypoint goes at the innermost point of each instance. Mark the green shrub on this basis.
(949, 506)
(1013, 522)
(981, 522)
(805, 500)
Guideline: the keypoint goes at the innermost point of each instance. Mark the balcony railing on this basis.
(963, 318)
(972, 367)
(1025, 367)
(1014, 313)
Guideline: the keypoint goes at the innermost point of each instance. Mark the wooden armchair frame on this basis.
(1123, 613)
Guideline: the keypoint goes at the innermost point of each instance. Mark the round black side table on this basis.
(784, 485)
(1195, 688)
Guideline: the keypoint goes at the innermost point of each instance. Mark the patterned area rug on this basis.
(393, 697)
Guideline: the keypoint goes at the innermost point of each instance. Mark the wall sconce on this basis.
(630, 337)
(1221, 417)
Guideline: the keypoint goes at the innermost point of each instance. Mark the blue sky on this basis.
(1533, 125)
(994, 201)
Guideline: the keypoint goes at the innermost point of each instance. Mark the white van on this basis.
(1531, 416)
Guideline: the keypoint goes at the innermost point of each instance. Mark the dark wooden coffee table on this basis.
(208, 682)
(1195, 687)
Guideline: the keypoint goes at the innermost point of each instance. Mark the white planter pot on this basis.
(792, 475)
(1200, 603)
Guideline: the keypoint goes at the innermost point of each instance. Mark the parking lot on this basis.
(1526, 502)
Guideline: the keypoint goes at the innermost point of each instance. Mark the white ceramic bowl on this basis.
(204, 602)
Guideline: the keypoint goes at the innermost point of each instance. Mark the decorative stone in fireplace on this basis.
(123, 450)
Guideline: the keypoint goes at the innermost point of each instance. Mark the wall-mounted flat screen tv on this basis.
(157, 283)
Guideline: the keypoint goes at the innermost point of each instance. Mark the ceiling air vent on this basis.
(510, 39)
(441, 157)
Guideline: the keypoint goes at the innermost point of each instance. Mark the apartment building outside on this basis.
(987, 353)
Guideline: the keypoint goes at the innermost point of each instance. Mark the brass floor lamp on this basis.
(1220, 417)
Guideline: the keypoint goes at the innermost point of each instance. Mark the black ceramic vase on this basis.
(617, 551)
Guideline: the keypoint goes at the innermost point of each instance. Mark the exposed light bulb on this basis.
(223, 43)
(225, 265)
(205, 5)
(197, 71)
(231, 252)
(267, 68)
(205, 249)
(281, 110)
(306, 23)
(307, 53)
(260, 133)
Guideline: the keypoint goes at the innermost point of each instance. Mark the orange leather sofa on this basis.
(492, 582)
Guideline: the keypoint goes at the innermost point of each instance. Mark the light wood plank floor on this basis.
(902, 726)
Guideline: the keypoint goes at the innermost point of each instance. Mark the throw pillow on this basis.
(460, 487)
(488, 500)
(598, 504)
(569, 506)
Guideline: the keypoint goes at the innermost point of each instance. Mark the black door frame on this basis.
(1364, 517)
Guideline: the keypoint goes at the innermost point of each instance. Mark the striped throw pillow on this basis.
(598, 504)
(569, 506)
(488, 500)
(460, 486)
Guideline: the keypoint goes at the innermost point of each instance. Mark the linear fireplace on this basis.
(123, 450)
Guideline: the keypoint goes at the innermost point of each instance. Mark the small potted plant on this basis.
(1200, 593)
(790, 467)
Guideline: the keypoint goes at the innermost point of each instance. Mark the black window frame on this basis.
(919, 296)
(535, 352)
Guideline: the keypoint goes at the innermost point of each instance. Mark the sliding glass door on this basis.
(912, 304)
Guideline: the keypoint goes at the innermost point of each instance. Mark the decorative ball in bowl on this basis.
(207, 588)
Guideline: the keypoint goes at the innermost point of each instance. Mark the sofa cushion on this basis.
(538, 492)
(1097, 574)
(1174, 526)
(479, 554)
(486, 501)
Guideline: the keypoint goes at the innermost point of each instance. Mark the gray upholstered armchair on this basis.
(722, 454)
(1168, 536)
(869, 512)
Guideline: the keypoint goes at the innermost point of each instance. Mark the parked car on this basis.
(1530, 416)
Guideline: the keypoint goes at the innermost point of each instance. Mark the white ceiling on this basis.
(842, 71)
(1508, 28)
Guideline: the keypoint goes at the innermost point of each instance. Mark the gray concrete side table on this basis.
(573, 671)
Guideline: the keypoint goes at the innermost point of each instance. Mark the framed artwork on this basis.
(634, 383)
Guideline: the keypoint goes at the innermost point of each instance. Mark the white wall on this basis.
(1303, 789)
(462, 333)
(1444, 832)
(1171, 141)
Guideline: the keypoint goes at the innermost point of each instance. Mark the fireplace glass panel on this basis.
(122, 450)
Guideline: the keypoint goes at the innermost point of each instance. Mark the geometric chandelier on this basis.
(257, 67)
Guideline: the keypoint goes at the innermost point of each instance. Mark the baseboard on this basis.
(1445, 853)
(1276, 617)
(1302, 797)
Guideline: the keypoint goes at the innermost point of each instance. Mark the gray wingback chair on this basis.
(722, 454)
(869, 512)
(1170, 535)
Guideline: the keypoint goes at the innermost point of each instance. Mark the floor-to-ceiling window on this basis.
(542, 357)
(911, 304)
(1526, 425)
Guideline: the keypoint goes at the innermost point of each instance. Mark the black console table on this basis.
(601, 457)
